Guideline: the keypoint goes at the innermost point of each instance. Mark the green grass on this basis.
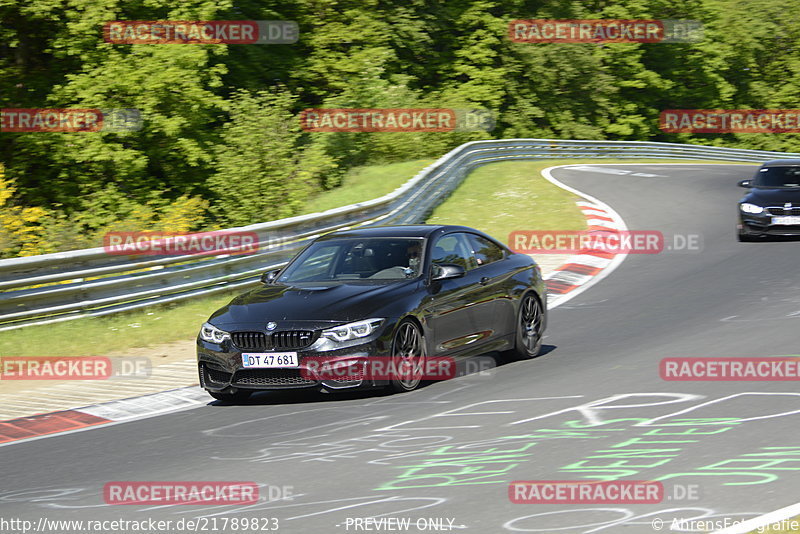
(499, 198)
(366, 183)
(98, 336)
(495, 198)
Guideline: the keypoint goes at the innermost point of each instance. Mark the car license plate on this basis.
(269, 360)
(788, 219)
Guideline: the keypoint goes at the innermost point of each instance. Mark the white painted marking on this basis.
(591, 202)
(589, 211)
(761, 521)
(723, 399)
(157, 403)
(568, 277)
(589, 260)
(611, 170)
(600, 222)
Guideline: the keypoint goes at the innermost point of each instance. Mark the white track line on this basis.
(593, 203)
(761, 521)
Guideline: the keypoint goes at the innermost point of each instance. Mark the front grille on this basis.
(255, 341)
(293, 339)
(270, 377)
(784, 229)
(783, 211)
(287, 340)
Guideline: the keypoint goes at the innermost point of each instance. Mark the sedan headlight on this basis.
(350, 331)
(209, 332)
(750, 208)
(339, 336)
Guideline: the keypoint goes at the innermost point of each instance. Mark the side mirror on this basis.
(746, 183)
(270, 276)
(444, 271)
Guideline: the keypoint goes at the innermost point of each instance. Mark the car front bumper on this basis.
(221, 370)
(761, 225)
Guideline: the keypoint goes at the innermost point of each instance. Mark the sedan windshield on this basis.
(356, 259)
(778, 177)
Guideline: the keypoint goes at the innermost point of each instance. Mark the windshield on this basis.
(356, 259)
(778, 177)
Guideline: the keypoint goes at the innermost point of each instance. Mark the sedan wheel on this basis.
(529, 328)
(746, 238)
(408, 357)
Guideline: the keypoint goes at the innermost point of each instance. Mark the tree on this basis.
(262, 170)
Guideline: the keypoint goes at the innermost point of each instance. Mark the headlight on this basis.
(750, 208)
(343, 336)
(211, 333)
(352, 330)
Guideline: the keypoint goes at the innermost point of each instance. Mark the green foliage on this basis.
(263, 171)
(221, 139)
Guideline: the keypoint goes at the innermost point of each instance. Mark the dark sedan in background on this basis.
(406, 294)
(772, 206)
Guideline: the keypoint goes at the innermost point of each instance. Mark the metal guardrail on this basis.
(83, 283)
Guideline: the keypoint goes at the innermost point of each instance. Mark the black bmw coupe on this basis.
(772, 206)
(396, 295)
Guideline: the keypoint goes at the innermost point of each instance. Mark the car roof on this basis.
(400, 230)
(781, 163)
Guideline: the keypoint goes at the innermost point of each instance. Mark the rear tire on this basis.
(408, 357)
(530, 327)
(241, 395)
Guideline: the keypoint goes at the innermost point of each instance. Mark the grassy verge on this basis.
(496, 198)
(511, 195)
(366, 183)
(99, 336)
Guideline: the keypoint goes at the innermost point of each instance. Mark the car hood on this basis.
(309, 307)
(773, 197)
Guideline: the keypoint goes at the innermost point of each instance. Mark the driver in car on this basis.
(412, 261)
(414, 251)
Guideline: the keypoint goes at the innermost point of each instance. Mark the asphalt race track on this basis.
(593, 406)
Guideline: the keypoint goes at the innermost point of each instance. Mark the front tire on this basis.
(408, 357)
(530, 327)
(746, 238)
